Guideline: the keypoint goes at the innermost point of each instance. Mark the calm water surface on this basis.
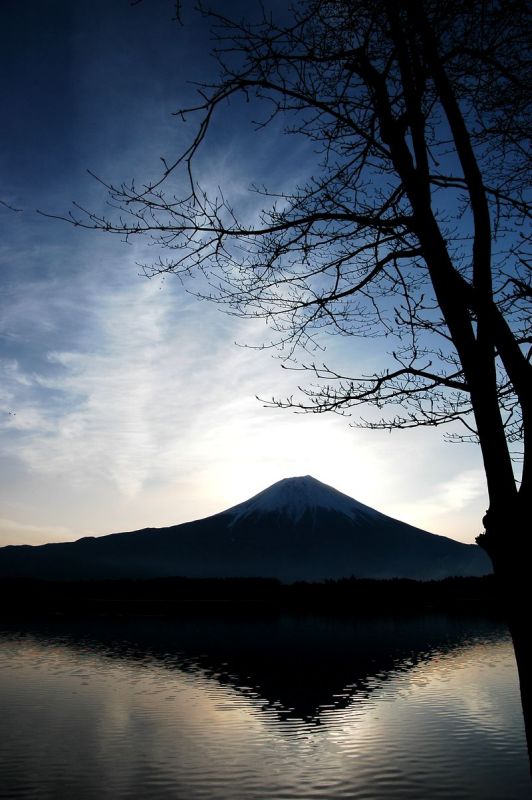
(280, 707)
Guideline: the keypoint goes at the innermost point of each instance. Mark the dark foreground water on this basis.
(278, 707)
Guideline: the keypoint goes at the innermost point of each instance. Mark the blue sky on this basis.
(124, 402)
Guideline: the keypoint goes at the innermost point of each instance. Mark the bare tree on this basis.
(412, 224)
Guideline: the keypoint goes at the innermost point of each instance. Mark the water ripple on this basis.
(282, 709)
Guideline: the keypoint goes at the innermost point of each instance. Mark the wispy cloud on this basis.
(124, 408)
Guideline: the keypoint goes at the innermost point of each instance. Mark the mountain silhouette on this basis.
(296, 529)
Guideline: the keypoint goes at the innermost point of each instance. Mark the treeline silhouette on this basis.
(350, 596)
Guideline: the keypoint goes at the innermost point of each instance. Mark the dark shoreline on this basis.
(23, 597)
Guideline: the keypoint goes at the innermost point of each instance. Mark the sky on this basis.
(125, 402)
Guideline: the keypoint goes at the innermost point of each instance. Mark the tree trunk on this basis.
(504, 544)
(520, 630)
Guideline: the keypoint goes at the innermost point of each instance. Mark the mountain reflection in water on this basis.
(279, 706)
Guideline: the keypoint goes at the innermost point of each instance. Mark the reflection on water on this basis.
(278, 707)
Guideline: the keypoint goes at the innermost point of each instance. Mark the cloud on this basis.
(462, 488)
(130, 407)
(445, 500)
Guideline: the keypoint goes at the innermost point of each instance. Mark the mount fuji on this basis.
(296, 529)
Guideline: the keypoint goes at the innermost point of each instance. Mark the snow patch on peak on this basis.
(295, 496)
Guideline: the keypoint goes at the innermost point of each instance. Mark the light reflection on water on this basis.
(277, 707)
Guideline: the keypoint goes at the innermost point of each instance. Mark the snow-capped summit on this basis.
(296, 496)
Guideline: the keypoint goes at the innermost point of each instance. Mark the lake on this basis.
(278, 706)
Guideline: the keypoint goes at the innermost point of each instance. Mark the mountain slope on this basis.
(297, 529)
